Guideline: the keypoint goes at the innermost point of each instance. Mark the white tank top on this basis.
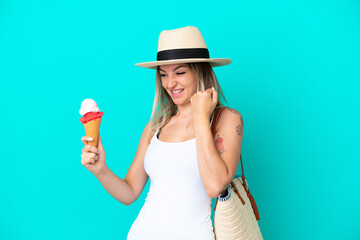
(177, 205)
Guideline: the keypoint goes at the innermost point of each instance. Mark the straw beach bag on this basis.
(236, 213)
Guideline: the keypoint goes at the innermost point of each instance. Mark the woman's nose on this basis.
(171, 82)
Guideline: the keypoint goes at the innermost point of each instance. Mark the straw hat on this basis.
(183, 45)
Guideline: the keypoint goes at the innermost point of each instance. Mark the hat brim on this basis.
(214, 62)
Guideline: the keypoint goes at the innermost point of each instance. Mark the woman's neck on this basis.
(184, 112)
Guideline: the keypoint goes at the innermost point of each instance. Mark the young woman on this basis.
(186, 164)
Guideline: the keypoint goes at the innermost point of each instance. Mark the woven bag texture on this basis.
(235, 221)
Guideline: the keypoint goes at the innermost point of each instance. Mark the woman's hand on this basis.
(203, 104)
(93, 158)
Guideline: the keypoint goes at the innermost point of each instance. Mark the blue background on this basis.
(294, 78)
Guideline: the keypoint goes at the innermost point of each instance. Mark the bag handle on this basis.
(246, 187)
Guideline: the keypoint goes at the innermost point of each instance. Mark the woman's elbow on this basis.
(127, 203)
(214, 192)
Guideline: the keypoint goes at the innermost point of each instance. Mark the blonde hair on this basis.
(163, 106)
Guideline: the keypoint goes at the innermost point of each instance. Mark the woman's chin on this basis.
(181, 101)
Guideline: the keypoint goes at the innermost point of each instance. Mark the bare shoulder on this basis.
(147, 134)
(230, 118)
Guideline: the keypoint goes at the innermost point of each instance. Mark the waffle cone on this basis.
(92, 129)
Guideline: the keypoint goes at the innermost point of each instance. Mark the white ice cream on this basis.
(88, 105)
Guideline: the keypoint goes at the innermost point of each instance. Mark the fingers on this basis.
(89, 158)
(209, 91)
(90, 154)
(215, 96)
(89, 148)
(86, 139)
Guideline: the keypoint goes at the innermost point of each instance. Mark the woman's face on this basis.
(178, 77)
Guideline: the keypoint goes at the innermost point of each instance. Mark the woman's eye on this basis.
(179, 73)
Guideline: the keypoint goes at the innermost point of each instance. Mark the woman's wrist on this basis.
(102, 172)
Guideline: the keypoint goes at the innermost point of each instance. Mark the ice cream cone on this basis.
(92, 129)
(91, 120)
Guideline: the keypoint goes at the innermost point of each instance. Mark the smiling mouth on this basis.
(177, 91)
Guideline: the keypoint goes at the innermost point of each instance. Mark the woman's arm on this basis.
(128, 190)
(116, 187)
(218, 156)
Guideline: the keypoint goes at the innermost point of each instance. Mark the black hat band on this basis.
(183, 53)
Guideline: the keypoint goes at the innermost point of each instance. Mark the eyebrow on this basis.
(173, 69)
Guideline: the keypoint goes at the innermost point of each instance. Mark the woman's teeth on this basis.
(178, 91)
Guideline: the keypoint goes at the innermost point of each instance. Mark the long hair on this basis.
(164, 107)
